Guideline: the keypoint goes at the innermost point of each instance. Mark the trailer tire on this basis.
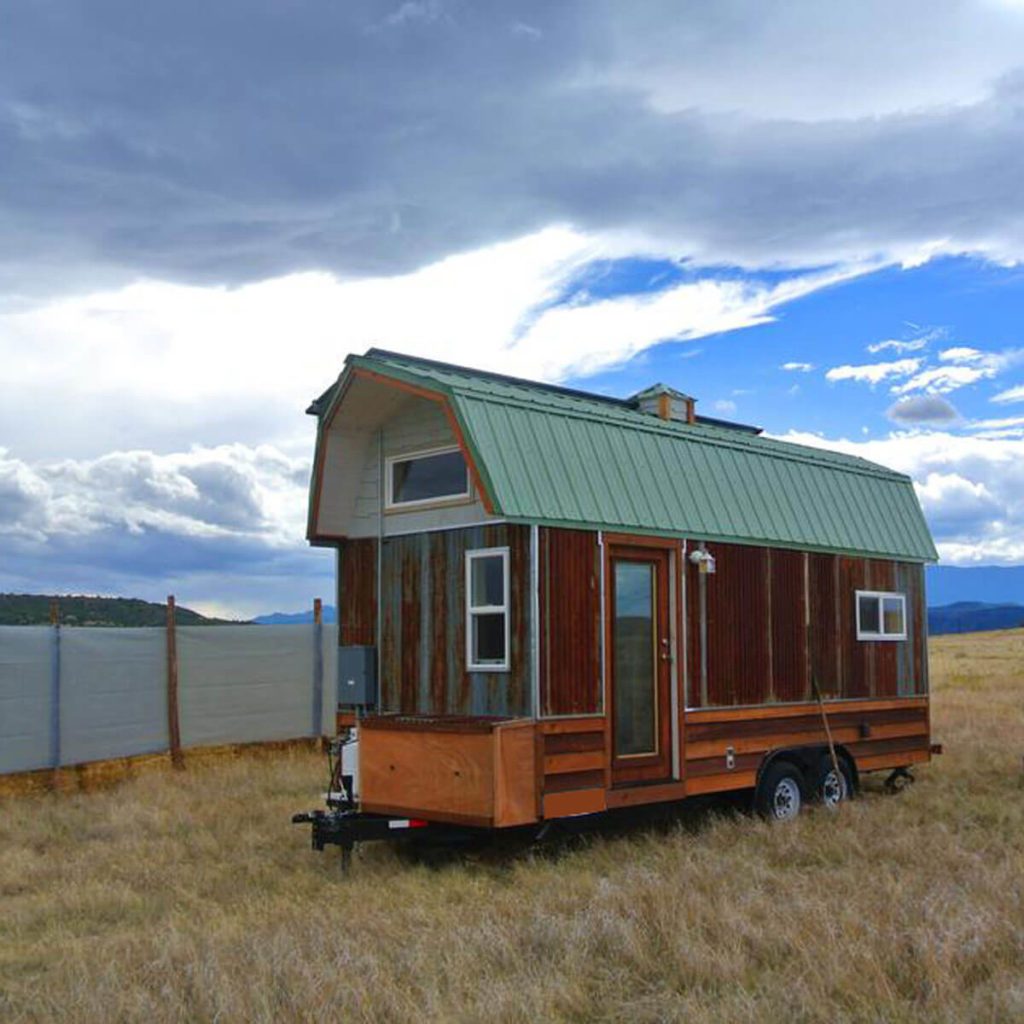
(826, 790)
(780, 792)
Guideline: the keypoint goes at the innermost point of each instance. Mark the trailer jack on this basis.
(900, 779)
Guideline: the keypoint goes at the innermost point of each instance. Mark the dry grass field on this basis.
(191, 898)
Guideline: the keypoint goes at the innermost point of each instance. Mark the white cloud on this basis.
(1014, 394)
(874, 373)
(940, 380)
(797, 367)
(265, 349)
(962, 354)
(725, 405)
(898, 346)
(997, 424)
(971, 487)
(229, 491)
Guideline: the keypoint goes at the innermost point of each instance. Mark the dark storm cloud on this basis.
(233, 570)
(230, 141)
(923, 409)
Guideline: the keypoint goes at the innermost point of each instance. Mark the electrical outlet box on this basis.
(357, 676)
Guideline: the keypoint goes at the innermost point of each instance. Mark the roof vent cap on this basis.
(667, 403)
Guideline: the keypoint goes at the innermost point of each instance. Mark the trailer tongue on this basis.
(343, 824)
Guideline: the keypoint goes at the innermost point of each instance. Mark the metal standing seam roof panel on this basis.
(564, 458)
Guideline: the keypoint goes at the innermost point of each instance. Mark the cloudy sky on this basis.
(809, 215)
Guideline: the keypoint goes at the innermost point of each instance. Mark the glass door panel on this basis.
(635, 654)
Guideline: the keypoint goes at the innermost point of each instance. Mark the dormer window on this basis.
(426, 478)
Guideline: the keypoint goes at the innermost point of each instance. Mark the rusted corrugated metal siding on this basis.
(854, 655)
(790, 665)
(738, 663)
(884, 657)
(770, 626)
(570, 611)
(823, 632)
(912, 662)
(357, 592)
(423, 649)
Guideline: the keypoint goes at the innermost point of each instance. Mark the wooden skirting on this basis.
(96, 775)
(876, 733)
(573, 763)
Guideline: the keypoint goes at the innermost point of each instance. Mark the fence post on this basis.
(173, 724)
(55, 737)
(318, 667)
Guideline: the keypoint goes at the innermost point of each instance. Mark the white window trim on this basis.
(880, 594)
(487, 609)
(389, 480)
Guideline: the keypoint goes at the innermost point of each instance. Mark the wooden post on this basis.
(173, 724)
(318, 668)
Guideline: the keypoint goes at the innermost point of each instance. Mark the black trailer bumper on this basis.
(345, 827)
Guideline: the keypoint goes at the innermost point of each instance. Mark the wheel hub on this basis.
(786, 800)
(833, 789)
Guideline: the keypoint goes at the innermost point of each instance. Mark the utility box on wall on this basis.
(357, 676)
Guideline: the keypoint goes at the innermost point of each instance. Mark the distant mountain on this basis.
(76, 610)
(330, 615)
(974, 617)
(988, 584)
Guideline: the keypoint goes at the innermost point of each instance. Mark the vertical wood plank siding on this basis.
(763, 641)
(357, 592)
(570, 610)
(423, 646)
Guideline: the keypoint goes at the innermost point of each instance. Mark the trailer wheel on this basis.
(830, 789)
(779, 794)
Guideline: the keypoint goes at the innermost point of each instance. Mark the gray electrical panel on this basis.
(357, 676)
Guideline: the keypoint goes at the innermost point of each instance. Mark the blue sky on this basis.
(203, 210)
(945, 304)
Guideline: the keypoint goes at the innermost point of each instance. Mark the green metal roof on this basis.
(566, 458)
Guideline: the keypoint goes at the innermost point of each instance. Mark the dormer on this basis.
(667, 403)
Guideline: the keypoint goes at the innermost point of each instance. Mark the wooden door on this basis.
(639, 664)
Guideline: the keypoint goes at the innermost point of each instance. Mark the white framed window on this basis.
(881, 615)
(487, 610)
(425, 477)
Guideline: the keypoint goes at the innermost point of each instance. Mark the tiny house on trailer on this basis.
(553, 603)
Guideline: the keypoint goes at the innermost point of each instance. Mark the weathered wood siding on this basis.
(420, 424)
(570, 611)
(357, 592)
(423, 641)
(775, 618)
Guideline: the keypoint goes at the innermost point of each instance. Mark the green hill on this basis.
(34, 610)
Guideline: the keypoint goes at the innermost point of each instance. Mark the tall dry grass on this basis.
(191, 898)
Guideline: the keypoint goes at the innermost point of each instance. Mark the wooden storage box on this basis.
(471, 771)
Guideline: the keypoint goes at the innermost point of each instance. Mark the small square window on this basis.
(881, 615)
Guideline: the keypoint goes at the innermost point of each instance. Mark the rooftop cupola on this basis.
(669, 404)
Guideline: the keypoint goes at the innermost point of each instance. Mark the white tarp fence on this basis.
(70, 694)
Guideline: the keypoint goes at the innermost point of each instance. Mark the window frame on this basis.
(881, 595)
(504, 609)
(391, 505)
